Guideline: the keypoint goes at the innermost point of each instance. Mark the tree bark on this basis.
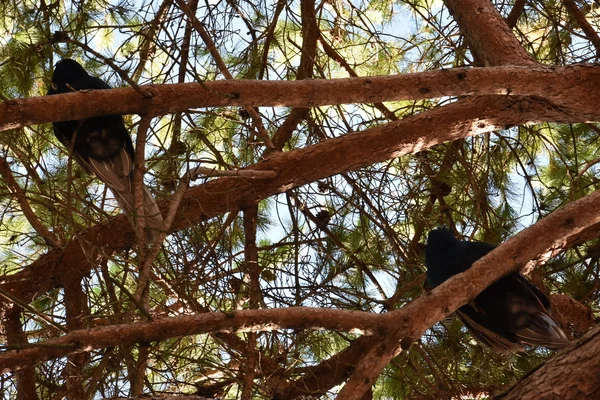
(410, 135)
(572, 374)
(569, 85)
(16, 337)
(487, 33)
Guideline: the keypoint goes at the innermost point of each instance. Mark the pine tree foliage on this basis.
(349, 241)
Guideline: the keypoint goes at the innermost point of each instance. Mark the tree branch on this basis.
(409, 135)
(544, 239)
(487, 33)
(571, 85)
(572, 374)
(160, 329)
(39, 227)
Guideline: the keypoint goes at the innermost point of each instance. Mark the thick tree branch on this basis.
(572, 85)
(487, 33)
(409, 135)
(572, 374)
(544, 239)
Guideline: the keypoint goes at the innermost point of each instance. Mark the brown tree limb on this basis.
(148, 44)
(583, 23)
(242, 173)
(16, 337)
(572, 374)
(571, 84)
(334, 55)
(77, 313)
(317, 380)
(137, 374)
(145, 397)
(515, 13)
(139, 208)
(544, 239)
(487, 33)
(409, 135)
(252, 275)
(310, 33)
(86, 340)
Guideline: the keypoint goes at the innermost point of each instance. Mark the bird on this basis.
(102, 145)
(509, 314)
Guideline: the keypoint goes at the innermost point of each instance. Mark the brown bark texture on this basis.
(572, 374)
(487, 34)
(570, 85)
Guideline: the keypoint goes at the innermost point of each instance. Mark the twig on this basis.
(114, 66)
(10, 181)
(262, 132)
(156, 246)
(139, 213)
(133, 298)
(32, 310)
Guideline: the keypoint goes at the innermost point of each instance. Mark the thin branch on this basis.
(310, 33)
(139, 208)
(12, 184)
(253, 274)
(242, 173)
(262, 132)
(583, 23)
(361, 265)
(122, 73)
(145, 267)
(32, 310)
(13, 329)
(164, 328)
(515, 13)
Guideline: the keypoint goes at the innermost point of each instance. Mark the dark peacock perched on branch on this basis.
(510, 313)
(102, 145)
